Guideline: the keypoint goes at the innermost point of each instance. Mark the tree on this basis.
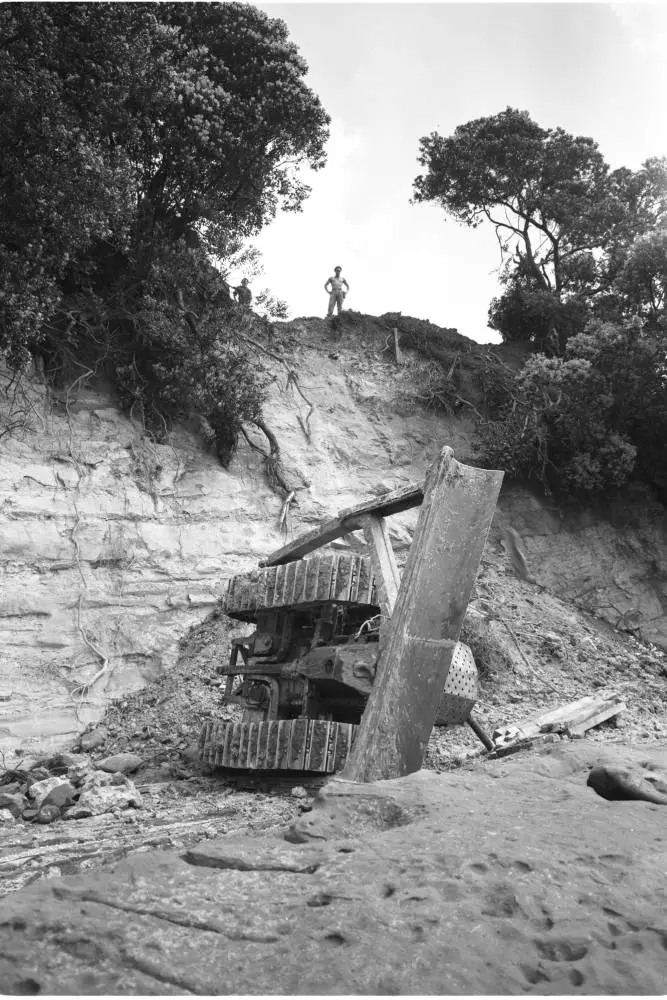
(641, 280)
(140, 142)
(563, 220)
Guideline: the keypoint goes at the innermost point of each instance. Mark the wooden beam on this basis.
(574, 718)
(385, 570)
(397, 349)
(347, 520)
(442, 564)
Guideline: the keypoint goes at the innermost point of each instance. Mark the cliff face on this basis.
(112, 546)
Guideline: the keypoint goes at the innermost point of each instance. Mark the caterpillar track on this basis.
(284, 745)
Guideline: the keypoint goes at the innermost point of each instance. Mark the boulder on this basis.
(61, 796)
(39, 773)
(61, 762)
(12, 802)
(126, 763)
(10, 788)
(40, 789)
(99, 796)
(78, 773)
(47, 814)
(630, 782)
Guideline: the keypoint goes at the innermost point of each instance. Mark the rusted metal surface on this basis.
(460, 692)
(285, 745)
(442, 564)
(339, 578)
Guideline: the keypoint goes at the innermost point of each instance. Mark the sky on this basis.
(389, 74)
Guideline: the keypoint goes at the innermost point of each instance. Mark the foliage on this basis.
(530, 314)
(138, 142)
(270, 306)
(642, 278)
(590, 421)
(564, 221)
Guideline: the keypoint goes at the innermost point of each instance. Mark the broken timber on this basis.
(573, 719)
(350, 519)
(458, 503)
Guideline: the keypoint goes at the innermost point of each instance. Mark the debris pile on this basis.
(67, 786)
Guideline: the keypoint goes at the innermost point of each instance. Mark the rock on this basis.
(30, 814)
(39, 773)
(126, 763)
(77, 812)
(61, 796)
(100, 796)
(10, 788)
(78, 773)
(299, 792)
(47, 814)
(7, 818)
(13, 803)
(63, 761)
(618, 783)
(265, 855)
(40, 789)
(95, 738)
(450, 903)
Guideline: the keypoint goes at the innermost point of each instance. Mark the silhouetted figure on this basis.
(334, 286)
(243, 295)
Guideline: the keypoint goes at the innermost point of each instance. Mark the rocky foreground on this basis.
(508, 876)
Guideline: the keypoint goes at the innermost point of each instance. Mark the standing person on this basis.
(243, 295)
(334, 286)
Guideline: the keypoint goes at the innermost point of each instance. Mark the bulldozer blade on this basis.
(454, 520)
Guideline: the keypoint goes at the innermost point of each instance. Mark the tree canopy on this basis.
(564, 221)
(138, 143)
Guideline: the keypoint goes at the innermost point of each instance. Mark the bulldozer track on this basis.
(314, 745)
(340, 578)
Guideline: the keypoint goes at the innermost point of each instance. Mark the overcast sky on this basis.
(389, 74)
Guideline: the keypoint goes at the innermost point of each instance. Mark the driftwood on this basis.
(573, 719)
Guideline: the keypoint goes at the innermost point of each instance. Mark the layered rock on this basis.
(111, 546)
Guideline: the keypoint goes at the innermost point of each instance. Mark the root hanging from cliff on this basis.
(274, 469)
(84, 689)
(292, 378)
(79, 693)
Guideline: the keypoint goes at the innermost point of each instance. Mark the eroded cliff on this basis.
(112, 546)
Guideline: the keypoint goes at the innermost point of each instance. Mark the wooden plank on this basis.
(385, 570)
(347, 520)
(442, 564)
(397, 349)
(393, 502)
(570, 717)
(579, 728)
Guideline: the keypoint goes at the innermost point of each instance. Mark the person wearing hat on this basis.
(243, 295)
(334, 286)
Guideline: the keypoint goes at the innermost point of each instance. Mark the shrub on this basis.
(588, 422)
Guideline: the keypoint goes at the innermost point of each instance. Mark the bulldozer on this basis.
(303, 677)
